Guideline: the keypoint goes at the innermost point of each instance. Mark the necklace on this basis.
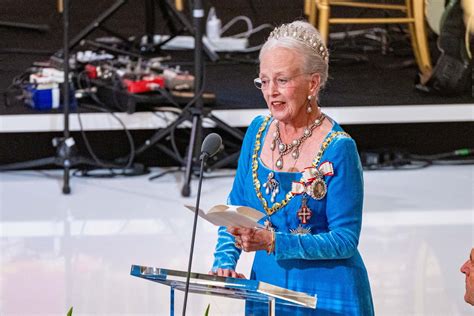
(256, 182)
(272, 186)
(294, 146)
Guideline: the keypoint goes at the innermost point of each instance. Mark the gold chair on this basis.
(319, 13)
(179, 5)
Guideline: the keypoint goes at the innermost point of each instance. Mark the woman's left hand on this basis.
(251, 239)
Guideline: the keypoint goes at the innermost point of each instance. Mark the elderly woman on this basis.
(301, 170)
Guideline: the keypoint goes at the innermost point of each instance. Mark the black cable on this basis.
(89, 148)
(453, 162)
(174, 146)
(168, 97)
(161, 174)
(18, 83)
(117, 86)
(463, 152)
(137, 170)
(173, 142)
(186, 108)
(397, 160)
(104, 108)
(117, 105)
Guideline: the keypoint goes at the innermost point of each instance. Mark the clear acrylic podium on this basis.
(221, 286)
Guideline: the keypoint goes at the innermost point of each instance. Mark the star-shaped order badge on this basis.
(300, 230)
(312, 182)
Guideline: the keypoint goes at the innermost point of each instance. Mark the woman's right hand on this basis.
(227, 273)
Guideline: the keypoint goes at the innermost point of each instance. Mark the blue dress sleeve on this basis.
(226, 253)
(344, 201)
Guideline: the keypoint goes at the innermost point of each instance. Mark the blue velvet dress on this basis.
(324, 261)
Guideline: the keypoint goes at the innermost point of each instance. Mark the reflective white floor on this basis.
(59, 251)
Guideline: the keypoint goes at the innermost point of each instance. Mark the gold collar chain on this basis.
(256, 183)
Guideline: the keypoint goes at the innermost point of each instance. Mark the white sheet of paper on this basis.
(230, 215)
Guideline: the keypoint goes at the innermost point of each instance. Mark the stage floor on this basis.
(60, 251)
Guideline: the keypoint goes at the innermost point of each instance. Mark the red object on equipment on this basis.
(146, 84)
(91, 71)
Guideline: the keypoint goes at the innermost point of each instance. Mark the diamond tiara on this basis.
(300, 34)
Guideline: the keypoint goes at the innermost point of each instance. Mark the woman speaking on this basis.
(301, 170)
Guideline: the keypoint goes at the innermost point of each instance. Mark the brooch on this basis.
(271, 186)
(312, 182)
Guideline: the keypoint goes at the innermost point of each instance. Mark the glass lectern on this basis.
(229, 287)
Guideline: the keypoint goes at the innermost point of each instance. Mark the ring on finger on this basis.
(238, 243)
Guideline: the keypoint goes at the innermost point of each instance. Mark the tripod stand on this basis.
(194, 112)
(66, 153)
(176, 22)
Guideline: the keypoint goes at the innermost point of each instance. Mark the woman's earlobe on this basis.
(315, 82)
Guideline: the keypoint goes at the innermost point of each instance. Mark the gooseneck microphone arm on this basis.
(210, 147)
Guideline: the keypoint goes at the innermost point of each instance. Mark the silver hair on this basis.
(313, 62)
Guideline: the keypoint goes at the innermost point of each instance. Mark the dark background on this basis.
(380, 80)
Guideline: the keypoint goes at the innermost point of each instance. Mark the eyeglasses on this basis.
(280, 82)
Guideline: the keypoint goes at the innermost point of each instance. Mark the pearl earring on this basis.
(309, 109)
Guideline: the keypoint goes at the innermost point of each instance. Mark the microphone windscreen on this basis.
(211, 144)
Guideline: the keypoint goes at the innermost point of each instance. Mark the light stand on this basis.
(196, 130)
(194, 111)
(66, 149)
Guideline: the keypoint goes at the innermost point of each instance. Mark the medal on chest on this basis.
(304, 213)
(312, 182)
(317, 189)
(300, 230)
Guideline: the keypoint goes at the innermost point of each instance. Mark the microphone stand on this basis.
(66, 97)
(209, 148)
(204, 157)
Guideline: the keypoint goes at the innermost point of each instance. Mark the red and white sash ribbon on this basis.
(309, 175)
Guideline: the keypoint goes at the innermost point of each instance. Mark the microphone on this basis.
(210, 146)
